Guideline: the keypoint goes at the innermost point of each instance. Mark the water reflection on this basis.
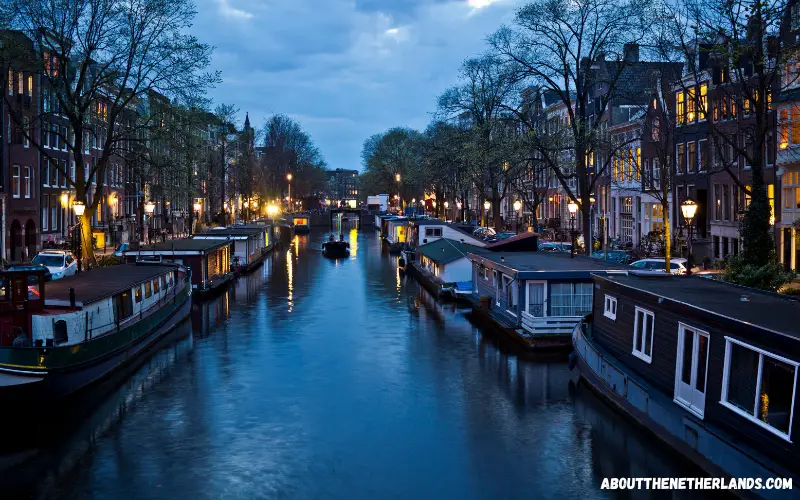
(368, 389)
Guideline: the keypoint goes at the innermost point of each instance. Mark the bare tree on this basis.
(100, 59)
(575, 50)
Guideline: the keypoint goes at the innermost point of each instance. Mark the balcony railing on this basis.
(549, 325)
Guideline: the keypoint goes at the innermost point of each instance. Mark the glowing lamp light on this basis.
(149, 207)
(79, 208)
(272, 210)
(458, 205)
(572, 207)
(397, 177)
(352, 203)
(517, 205)
(689, 209)
(64, 199)
(288, 177)
(197, 206)
(413, 200)
(446, 204)
(487, 204)
(433, 203)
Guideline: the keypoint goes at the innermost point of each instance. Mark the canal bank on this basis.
(341, 379)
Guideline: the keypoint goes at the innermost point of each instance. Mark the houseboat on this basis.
(443, 266)
(710, 368)
(301, 224)
(209, 261)
(251, 244)
(396, 234)
(59, 337)
(536, 298)
(427, 231)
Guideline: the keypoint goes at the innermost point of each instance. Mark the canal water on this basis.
(314, 378)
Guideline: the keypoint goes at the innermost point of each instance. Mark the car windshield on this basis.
(49, 260)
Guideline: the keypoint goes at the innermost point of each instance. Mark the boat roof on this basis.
(445, 250)
(546, 265)
(182, 245)
(102, 282)
(765, 310)
(233, 231)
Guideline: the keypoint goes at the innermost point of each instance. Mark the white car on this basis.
(59, 262)
(677, 266)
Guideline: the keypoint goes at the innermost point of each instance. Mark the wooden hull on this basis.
(213, 287)
(246, 268)
(57, 373)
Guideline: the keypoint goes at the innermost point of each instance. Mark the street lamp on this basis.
(486, 206)
(79, 208)
(688, 209)
(289, 179)
(149, 208)
(517, 207)
(573, 209)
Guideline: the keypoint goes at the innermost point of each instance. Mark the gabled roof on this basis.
(444, 251)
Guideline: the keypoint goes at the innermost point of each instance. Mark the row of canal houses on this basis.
(710, 368)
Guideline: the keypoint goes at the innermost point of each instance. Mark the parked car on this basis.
(505, 235)
(677, 266)
(619, 256)
(124, 247)
(60, 263)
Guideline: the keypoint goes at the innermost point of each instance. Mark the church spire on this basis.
(247, 121)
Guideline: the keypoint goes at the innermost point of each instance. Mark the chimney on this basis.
(631, 52)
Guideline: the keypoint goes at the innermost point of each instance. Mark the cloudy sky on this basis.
(345, 69)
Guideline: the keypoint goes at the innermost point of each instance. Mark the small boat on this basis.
(335, 249)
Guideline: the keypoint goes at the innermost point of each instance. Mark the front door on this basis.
(691, 369)
(537, 299)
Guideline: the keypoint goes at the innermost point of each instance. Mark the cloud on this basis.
(229, 12)
(345, 69)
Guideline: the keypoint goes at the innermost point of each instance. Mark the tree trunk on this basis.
(498, 224)
(87, 249)
(667, 237)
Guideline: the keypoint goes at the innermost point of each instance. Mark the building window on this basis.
(30, 86)
(643, 335)
(10, 82)
(681, 157)
(433, 232)
(148, 290)
(701, 156)
(610, 309)
(692, 156)
(759, 386)
(45, 211)
(701, 111)
(156, 285)
(26, 182)
(570, 299)
(137, 294)
(15, 171)
(717, 202)
(680, 108)
(691, 103)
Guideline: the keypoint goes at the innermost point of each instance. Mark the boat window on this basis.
(148, 290)
(610, 309)
(643, 335)
(433, 232)
(760, 386)
(570, 299)
(138, 294)
(164, 281)
(156, 286)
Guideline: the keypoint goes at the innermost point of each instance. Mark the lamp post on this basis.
(289, 179)
(79, 208)
(573, 209)
(486, 206)
(689, 209)
(517, 207)
(149, 208)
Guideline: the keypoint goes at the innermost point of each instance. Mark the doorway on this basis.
(691, 369)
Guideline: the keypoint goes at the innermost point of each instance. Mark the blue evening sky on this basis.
(345, 69)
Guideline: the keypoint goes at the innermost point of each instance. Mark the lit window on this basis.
(643, 335)
(680, 108)
(759, 386)
(701, 111)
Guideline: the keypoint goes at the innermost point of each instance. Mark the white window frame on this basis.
(639, 354)
(16, 189)
(27, 176)
(498, 286)
(610, 307)
(510, 307)
(45, 211)
(726, 380)
(684, 329)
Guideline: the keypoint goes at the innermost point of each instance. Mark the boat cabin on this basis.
(428, 231)
(543, 293)
(445, 260)
(718, 363)
(301, 224)
(77, 308)
(397, 230)
(209, 260)
(250, 243)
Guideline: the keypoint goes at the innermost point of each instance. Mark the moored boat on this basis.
(251, 244)
(335, 249)
(57, 338)
(301, 225)
(208, 259)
